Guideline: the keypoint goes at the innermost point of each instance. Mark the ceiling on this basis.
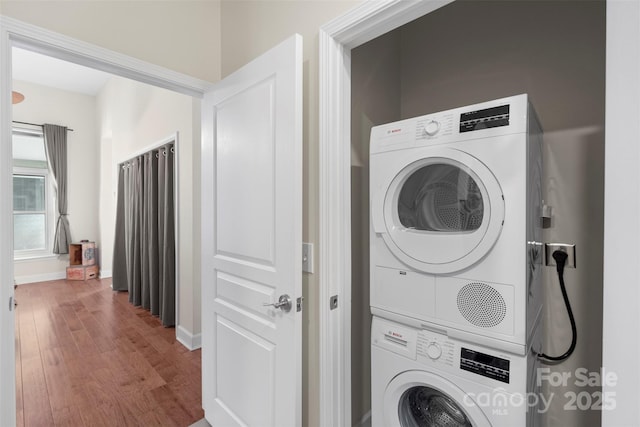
(47, 71)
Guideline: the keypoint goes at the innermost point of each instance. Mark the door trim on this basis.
(46, 42)
(17, 33)
(621, 296)
(336, 38)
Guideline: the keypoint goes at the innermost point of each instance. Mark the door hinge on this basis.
(333, 302)
(299, 301)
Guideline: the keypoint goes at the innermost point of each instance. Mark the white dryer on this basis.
(421, 378)
(456, 221)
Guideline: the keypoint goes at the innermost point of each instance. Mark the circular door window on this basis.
(443, 213)
(440, 198)
(425, 399)
(422, 406)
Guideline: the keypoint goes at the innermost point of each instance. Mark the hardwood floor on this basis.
(86, 357)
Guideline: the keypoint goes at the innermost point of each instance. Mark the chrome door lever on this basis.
(284, 303)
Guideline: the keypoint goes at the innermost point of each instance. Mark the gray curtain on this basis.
(119, 281)
(55, 143)
(150, 275)
(144, 249)
(166, 234)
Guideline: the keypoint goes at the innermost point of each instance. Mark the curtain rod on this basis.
(158, 148)
(33, 124)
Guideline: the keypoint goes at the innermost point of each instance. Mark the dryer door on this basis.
(423, 399)
(443, 212)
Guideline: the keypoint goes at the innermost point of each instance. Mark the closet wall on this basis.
(132, 116)
(375, 85)
(47, 105)
(469, 52)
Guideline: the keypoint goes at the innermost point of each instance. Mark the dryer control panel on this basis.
(435, 126)
(505, 116)
(486, 118)
(483, 364)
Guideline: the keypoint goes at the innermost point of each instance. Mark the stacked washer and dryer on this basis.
(456, 290)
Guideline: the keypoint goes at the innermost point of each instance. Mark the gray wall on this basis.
(470, 52)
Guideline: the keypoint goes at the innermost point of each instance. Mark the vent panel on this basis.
(481, 305)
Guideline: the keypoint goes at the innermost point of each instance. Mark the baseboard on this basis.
(365, 421)
(22, 280)
(187, 339)
(105, 274)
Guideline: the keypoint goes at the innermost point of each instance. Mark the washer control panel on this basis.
(483, 364)
(437, 350)
(435, 347)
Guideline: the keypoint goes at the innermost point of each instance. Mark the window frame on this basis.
(49, 188)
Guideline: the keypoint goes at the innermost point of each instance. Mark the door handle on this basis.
(284, 303)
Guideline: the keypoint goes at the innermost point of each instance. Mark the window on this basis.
(33, 215)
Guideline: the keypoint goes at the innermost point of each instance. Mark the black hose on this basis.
(561, 259)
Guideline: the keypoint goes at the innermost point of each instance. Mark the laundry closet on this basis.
(470, 52)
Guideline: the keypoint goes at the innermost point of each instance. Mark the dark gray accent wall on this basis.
(474, 51)
(375, 99)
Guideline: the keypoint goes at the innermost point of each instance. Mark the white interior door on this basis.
(252, 239)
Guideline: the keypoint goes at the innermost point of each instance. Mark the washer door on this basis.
(443, 212)
(423, 399)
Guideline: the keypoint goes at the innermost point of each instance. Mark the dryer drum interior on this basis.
(422, 406)
(441, 198)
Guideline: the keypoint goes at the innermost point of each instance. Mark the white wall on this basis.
(131, 117)
(180, 35)
(76, 111)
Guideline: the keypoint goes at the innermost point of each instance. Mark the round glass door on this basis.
(443, 212)
(422, 406)
(425, 399)
(441, 198)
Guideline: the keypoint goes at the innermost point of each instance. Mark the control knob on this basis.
(433, 350)
(431, 128)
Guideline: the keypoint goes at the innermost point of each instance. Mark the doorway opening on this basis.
(340, 40)
(392, 80)
(148, 81)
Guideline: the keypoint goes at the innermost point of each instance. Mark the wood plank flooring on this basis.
(86, 357)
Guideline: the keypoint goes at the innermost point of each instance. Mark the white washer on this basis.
(456, 221)
(422, 378)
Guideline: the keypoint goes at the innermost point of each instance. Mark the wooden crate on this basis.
(83, 253)
(82, 272)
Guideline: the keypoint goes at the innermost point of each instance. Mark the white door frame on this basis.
(17, 33)
(373, 18)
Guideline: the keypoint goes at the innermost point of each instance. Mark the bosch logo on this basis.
(393, 131)
(395, 334)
